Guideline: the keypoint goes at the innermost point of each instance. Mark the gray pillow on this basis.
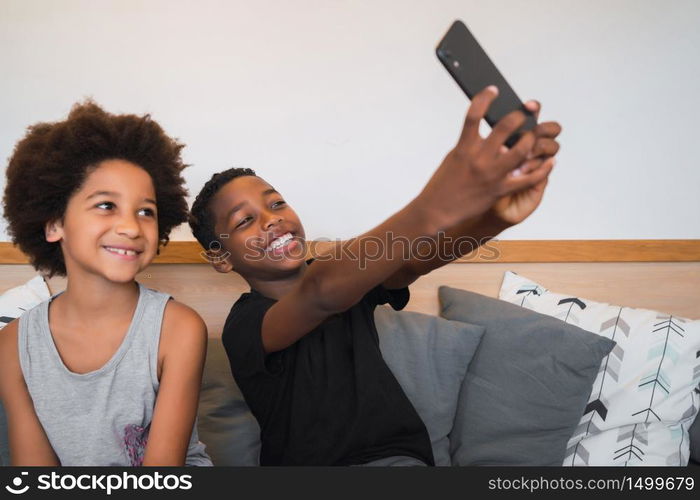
(4, 444)
(695, 438)
(527, 386)
(225, 424)
(429, 357)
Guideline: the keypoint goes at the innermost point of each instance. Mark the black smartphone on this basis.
(473, 71)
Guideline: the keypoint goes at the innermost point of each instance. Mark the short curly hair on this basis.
(51, 162)
(201, 219)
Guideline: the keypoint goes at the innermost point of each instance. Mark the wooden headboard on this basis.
(655, 274)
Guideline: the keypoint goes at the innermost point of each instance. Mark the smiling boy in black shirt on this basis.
(302, 343)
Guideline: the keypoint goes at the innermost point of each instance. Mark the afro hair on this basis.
(51, 162)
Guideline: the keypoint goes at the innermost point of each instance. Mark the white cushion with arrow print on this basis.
(646, 395)
(16, 301)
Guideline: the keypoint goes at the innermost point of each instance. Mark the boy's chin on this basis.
(287, 264)
(271, 268)
(123, 275)
(120, 278)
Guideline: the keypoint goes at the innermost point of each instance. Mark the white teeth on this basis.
(281, 241)
(121, 251)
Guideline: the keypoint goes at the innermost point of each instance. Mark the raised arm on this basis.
(467, 184)
(508, 210)
(181, 356)
(28, 442)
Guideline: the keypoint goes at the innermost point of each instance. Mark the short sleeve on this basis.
(397, 298)
(242, 339)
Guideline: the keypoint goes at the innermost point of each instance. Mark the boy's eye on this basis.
(243, 221)
(148, 212)
(278, 203)
(105, 205)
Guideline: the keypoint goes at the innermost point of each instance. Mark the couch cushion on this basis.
(429, 357)
(695, 438)
(526, 387)
(4, 446)
(645, 397)
(225, 424)
(15, 301)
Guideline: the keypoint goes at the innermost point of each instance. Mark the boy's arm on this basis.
(508, 211)
(28, 442)
(181, 354)
(468, 182)
(456, 242)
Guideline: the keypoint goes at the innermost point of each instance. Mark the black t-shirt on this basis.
(328, 399)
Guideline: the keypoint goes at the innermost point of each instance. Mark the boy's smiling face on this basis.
(110, 225)
(261, 235)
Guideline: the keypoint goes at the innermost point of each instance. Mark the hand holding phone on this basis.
(519, 174)
(476, 173)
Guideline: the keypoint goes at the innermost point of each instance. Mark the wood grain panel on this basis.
(587, 251)
(495, 251)
(175, 252)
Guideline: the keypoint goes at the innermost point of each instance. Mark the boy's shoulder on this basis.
(9, 355)
(246, 308)
(8, 337)
(249, 301)
(181, 324)
(179, 311)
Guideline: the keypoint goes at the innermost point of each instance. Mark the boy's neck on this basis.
(96, 301)
(277, 288)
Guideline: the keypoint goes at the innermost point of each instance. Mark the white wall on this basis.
(344, 108)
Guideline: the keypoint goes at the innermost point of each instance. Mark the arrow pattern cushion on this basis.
(646, 395)
(15, 301)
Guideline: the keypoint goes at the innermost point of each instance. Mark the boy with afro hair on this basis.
(106, 373)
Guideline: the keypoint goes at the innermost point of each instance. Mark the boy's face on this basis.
(261, 236)
(110, 226)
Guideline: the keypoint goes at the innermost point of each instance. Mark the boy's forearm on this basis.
(453, 243)
(342, 278)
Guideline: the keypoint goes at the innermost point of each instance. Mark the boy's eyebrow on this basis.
(115, 195)
(240, 205)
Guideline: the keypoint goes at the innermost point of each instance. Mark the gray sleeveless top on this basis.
(99, 418)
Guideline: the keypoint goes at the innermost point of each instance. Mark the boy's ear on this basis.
(219, 260)
(53, 231)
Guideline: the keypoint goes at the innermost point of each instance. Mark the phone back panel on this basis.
(473, 71)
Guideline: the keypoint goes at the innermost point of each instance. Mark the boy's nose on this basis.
(128, 226)
(273, 220)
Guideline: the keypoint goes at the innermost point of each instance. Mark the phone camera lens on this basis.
(455, 64)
